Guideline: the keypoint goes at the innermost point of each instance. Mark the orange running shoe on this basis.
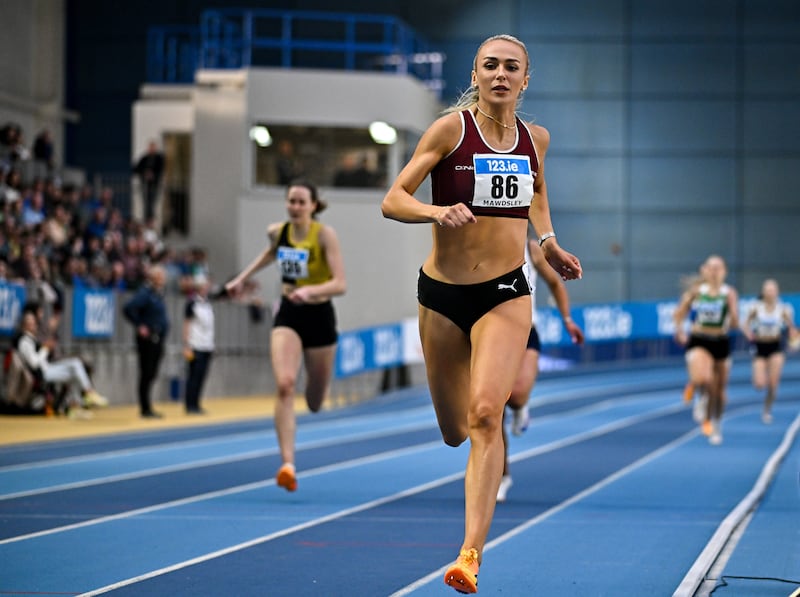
(688, 392)
(463, 574)
(707, 427)
(286, 477)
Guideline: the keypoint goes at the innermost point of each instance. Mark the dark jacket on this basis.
(147, 307)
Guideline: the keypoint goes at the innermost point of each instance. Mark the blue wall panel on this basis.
(683, 18)
(772, 68)
(566, 18)
(583, 126)
(682, 184)
(677, 239)
(682, 126)
(589, 234)
(585, 68)
(585, 182)
(772, 127)
(771, 19)
(771, 183)
(771, 239)
(683, 69)
(648, 284)
(609, 279)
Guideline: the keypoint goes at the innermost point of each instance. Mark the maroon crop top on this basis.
(489, 182)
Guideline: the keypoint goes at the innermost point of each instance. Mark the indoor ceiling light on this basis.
(260, 134)
(382, 133)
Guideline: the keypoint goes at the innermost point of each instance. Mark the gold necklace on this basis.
(490, 117)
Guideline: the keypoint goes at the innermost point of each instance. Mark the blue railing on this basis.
(238, 38)
(172, 53)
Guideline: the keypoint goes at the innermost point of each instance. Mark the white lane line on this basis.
(597, 407)
(276, 535)
(321, 443)
(150, 449)
(228, 491)
(629, 421)
(557, 508)
(596, 432)
(694, 577)
(219, 439)
(586, 391)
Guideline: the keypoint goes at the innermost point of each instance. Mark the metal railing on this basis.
(240, 367)
(238, 38)
(173, 52)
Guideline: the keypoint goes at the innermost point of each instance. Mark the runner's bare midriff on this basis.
(477, 252)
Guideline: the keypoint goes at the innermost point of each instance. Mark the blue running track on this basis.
(616, 492)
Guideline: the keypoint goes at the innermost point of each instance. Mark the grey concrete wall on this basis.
(32, 68)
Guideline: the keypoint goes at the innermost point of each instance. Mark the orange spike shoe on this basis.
(286, 477)
(462, 575)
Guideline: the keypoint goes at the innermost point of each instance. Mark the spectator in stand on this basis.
(12, 186)
(71, 200)
(3, 246)
(152, 238)
(150, 169)
(53, 194)
(12, 144)
(44, 292)
(7, 274)
(92, 249)
(87, 203)
(24, 256)
(16, 237)
(116, 279)
(133, 262)
(116, 221)
(76, 271)
(57, 227)
(4, 272)
(7, 248)
(99, 274)
(196, 266)
(287, 166)
(96, 227)
(106, 198)
(112, 245)
(354, 171)
(43, 150)
(33, 211)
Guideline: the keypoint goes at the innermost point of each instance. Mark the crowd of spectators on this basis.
(54, 236)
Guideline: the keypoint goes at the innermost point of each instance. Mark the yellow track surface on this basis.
(17, 429)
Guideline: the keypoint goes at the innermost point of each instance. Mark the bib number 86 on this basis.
(504, 187)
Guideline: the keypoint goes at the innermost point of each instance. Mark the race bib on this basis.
(769, 326)
(502, 181)
(293, 262)
(710, 313)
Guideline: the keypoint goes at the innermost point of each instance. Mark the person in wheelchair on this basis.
(71, 372)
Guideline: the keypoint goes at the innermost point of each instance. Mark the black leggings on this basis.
(150, 354)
